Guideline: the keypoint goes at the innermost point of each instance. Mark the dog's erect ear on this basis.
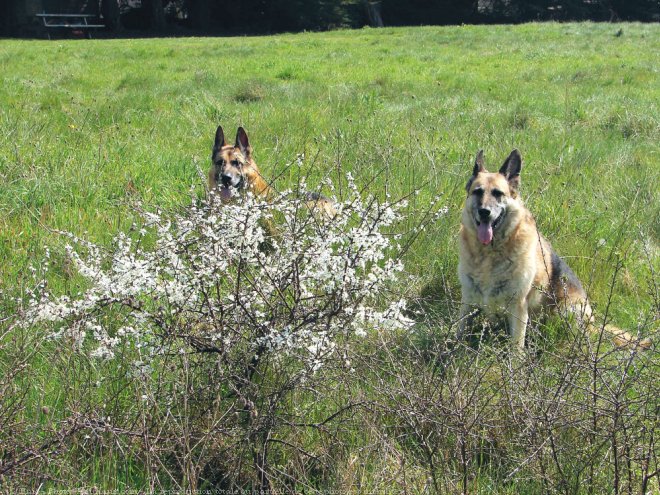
(511, 169)
(219, 138)
(479, 163)
(478, 167)
(242, 142)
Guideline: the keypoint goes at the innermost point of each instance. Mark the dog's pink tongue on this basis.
(225, 193)
(485, 233)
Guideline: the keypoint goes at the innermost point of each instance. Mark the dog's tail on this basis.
(621, 338)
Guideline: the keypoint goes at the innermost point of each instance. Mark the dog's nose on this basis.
(226, 180)
(484, 213)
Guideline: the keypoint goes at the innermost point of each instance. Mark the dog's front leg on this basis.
(469, 313)
(518, 315)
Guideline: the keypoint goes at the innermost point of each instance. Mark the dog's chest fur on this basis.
(495, 275)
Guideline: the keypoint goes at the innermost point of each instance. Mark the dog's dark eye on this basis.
(478, 192)
(236, 163)
(220, 163)
(497, 193)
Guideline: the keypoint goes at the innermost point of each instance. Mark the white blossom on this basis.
(274, 275)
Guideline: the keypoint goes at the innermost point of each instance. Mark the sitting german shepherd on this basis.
(232, 166)
(506, 264)
(234, 170)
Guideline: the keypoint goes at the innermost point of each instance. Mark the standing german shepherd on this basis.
(506, 265)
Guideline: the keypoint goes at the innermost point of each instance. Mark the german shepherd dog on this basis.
(507, 265)
(233, 167)
(234, 170)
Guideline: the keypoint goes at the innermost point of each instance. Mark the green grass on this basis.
(88, 126)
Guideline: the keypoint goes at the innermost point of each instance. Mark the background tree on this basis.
(111, 14)
(415, 12)
(155, 14)
(374, 13)
(8, 17)
(199, 13)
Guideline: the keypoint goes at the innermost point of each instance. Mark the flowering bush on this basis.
(275, 276)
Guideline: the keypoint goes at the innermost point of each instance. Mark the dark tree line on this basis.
(569, 10)
(267, 16)
(263, 16)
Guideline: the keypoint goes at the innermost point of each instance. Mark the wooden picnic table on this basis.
(69, 21)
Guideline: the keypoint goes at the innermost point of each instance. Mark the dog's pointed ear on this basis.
(478, 167)
(479, 163)
(242, 142)
(219, 138)
(511, 169)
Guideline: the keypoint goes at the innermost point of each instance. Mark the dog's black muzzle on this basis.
(227, 181)
(484, 216)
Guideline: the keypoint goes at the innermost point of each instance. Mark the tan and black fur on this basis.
(506, 266)
(233, 170)
(233, 166)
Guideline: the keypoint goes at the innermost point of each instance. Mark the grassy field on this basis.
(88, 126)
(85, 125)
